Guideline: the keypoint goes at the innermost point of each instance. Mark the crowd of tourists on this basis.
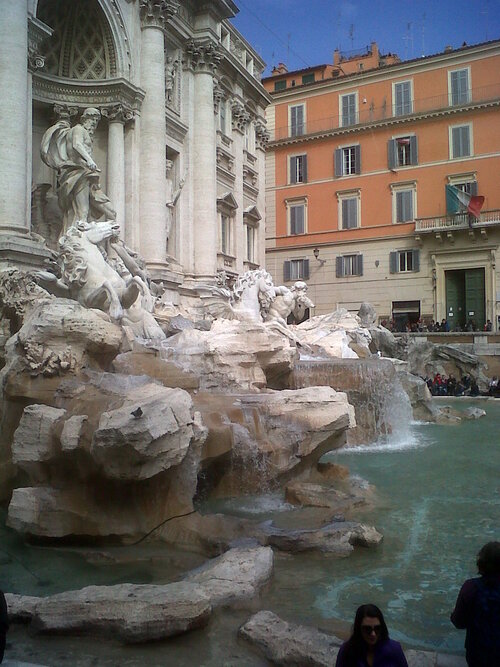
(430, 326)
(440, 385)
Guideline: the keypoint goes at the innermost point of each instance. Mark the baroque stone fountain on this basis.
(120, 412)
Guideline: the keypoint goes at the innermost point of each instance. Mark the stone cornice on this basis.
(262, 134)
(157, 13)
(239, 116)
(202, 55)
(386, 122)
(51, 89)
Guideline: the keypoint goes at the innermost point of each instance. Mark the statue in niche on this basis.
(69, 150)
(173, 195)
(170, 76)
(289, 301)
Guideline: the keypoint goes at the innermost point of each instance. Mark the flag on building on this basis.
(458, 201)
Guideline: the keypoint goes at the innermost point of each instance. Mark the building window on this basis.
(296, 213)
(308, 78)
(458, 85)
(298, 169)
(349, 109)
(280, 85)
(402, 151)
(404, 261)
(297, 120)
(348, 161)
(225, 234)
(404, 202)
(296, 269)
(402, 98)
(460, 141)
(349, 265)
(250, 243)
(465, 182)
(349, 209)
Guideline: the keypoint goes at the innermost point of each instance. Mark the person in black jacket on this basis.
(4, 624)
(477, 610)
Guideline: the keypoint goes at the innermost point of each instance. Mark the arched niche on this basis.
(89, 42)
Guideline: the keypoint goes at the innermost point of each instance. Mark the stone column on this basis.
(203, 58)
(239, 120)
(152, 182)
(117, 117)
(13, 114)
(261, 139)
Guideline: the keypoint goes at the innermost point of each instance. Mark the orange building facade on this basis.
(356, 169)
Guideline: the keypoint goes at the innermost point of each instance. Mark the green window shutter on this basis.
(359, 265)
(338, 162)
(286, 271)
(304, 168)
(339, 265)
(357, 159)
(393, 262)
(280, 85)
(305, 267)
(392, 153)
(413, 150)
(293, 170)
(416, 259)
(473, 188)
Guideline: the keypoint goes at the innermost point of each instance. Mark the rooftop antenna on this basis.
(351, 35)
(288, 49)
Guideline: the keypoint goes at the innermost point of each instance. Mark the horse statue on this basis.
(98, 271)
(292, 301)
(253, 295)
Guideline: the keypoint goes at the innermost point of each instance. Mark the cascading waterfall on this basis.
(383, 409)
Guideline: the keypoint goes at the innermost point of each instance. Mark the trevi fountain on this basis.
(207, 484)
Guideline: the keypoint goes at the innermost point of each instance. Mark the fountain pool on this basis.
(438, 502)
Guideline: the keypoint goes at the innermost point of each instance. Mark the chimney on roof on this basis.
(374, 49)
(278, 69)
(336, 57)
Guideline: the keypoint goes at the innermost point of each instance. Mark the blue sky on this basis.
(301, 33)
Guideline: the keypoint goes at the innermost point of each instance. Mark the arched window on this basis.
(81, 46)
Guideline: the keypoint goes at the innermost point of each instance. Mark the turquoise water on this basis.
(437, 504)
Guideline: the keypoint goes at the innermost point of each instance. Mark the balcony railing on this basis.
(460, 221)
(367, 113)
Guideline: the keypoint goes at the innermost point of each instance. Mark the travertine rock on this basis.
(321, 495)
(289, 644)
(131, 612)
(236, 575)
(335, 334)
(35, 440)
(338, 538)
(148, 434)
(232, 355)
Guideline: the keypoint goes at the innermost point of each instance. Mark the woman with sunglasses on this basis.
(369, 644)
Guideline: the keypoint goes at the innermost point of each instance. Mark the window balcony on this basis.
(370, 114)
(450, 223)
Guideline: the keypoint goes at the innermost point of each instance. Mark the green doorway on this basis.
(465, 299)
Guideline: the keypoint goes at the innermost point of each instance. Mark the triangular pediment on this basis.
(252, 214)
(227, 201)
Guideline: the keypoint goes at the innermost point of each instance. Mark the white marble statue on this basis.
(252, 295)
(289, 301)
(173, 195)
(98, 271)
(69, 150)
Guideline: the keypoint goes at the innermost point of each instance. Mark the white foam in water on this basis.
(410, 440)
(270, 502)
